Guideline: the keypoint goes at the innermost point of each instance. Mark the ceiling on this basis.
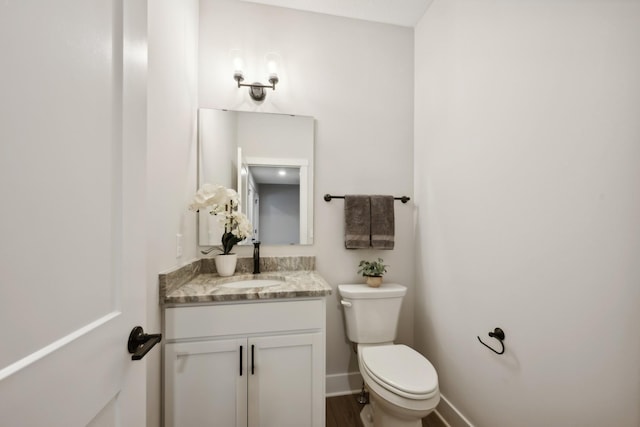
(272, 175)
(406, 13)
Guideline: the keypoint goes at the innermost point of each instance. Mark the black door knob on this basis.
(140, 343)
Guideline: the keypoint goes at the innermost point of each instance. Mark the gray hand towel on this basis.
(382, 222)
(357, 222)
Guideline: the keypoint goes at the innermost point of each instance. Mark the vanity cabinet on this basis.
(256, 364)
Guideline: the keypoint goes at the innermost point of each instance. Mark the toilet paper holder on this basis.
(497, 334)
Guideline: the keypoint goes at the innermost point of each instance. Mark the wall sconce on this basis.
(257, 90)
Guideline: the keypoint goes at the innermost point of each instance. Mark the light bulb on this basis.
(236, 57)
(272, 59)
(272, 67)
(238, 64)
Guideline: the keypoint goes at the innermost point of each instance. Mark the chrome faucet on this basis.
(256, 257)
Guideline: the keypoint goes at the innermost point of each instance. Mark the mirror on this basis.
(268, 159)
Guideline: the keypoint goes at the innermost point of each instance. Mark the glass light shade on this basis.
(238, 62)
(273, 63)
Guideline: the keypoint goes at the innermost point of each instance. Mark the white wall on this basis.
(290, 139)
(355, 78)
(217, 154)
(279, 213)
(172, 108)
(527, 144)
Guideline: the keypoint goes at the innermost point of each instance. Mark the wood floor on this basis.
(344, 411)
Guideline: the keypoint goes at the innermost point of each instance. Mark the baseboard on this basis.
(450, 415)
(343, 384)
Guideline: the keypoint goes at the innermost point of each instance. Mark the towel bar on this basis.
(328, 197)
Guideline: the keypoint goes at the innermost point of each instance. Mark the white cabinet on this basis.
(256, 364)
(284, 386)
(202, 384)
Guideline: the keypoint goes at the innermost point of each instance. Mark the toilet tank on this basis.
(371, 314)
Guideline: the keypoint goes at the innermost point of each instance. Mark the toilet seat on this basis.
(401, 370)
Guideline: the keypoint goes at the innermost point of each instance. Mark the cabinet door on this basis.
(286, 388)
(206, 384)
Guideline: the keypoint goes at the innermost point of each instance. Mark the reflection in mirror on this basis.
(268, 159)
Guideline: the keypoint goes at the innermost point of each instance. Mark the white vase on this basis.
(226, 264)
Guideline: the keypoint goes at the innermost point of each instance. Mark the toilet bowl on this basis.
(403, 384)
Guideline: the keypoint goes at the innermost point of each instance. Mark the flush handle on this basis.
(345, 303)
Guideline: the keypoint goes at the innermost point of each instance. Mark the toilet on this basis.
(402, 384)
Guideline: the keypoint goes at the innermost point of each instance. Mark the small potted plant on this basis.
(372, 271)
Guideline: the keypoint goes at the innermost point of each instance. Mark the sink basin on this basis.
(257, 283)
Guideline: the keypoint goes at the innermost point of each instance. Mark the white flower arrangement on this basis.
(223, 203)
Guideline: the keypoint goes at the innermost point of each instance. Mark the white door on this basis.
(243, 181)
(256, 216)
(72, 236)
(206, 383)
(252, 207)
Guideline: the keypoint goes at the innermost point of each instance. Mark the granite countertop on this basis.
(209, 287)
(198, 281)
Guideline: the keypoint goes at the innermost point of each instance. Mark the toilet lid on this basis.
(400, 368)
